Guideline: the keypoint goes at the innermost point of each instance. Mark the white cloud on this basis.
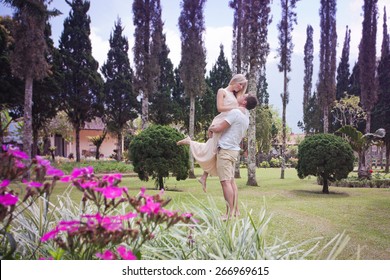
(214, 37)
(174, 44)
(100, 46)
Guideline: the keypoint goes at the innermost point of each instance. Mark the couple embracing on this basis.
(221, 151)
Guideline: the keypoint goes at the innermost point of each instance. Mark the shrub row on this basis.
(98, 165)
(355, 183)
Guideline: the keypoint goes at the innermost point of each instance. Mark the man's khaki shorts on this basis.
(226, 160)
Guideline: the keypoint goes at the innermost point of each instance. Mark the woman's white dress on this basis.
(205, 153)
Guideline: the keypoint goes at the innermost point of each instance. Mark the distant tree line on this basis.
(41, 80)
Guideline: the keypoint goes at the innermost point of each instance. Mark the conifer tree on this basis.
(262, 87)
(254, 18)
(308, 61)
(82, 84)
(181, 104)
(161, 102)
(354, 81)
(343, 68)
(381, 112)
(193, 57)
(238, 29)
(311, 110)
(219, 76)
(119, 99)
(286, 26)
(367, 60)
(147, 47)
(11, 88)
(326, 86)
(46, 95)
(28, 59)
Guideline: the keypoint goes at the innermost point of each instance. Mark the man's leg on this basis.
(236, 212)
(228, 194)
(225, 167)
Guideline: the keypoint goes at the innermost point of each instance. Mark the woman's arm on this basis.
(220, 102)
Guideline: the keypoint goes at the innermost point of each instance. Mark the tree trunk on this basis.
(97, 153)
(191, 129)
(35, 148)
(325, 186)
(119, 147)
(368, 155)
(387, 156)
(362, 167)
(77, 143)
(380, 156)
(284, 137)
(145, 111)
(252, 149)
(161, 183)
(237, 174)
(27, 117)
(46, 142)
(326, 118)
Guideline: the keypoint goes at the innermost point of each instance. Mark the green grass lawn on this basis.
(298, 208)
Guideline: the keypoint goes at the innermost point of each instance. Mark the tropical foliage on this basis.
(360, 143)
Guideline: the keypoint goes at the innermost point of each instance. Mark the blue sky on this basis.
(218, 21)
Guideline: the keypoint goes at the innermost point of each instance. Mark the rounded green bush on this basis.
(325, 155)
(154, 153)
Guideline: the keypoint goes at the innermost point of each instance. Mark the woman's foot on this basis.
(203, 182)
(185, 141)
(225, 218)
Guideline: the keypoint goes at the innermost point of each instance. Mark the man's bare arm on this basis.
(219, 127)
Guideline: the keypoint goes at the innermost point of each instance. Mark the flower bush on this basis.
(99, 232)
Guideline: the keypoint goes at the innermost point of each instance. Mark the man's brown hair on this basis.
(251, 101)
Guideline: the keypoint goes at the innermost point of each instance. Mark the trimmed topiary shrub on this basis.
(325, 155)
(154, 153)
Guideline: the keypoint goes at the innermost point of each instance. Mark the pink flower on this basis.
(18, 154)
(77, 172)
(150, 207)
(187, 215)
(169, 213)
(112, 192)
(107, 255)
(19, 164)
(50, 235)
(5, 183)
(111, 178)
(128, 216)
(42, 161)
(8, 199)
(66, 179)
(54, 172)
(89, 185)
(126, 254)
(33, 184)
(112, 226)
(69, 226)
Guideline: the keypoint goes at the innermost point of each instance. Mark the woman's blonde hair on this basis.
(239, 79)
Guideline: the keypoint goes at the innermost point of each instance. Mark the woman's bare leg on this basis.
(203, 180)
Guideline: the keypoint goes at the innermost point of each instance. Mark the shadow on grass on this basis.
(316, 193)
